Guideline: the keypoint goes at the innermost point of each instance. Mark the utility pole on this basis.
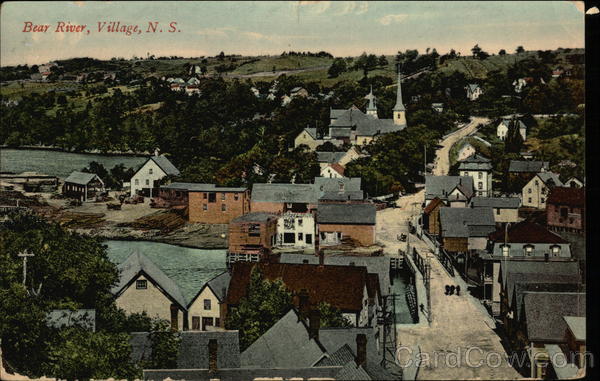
(24, 255)
(425, 160)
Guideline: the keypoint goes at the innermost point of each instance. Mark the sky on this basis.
(343, 28)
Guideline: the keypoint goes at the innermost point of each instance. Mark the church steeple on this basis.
(399, 110)
(371, 108)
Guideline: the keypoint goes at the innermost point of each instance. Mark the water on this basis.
(57, 163)
(189, 268)
(400, 280)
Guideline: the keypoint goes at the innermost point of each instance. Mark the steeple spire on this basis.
(399, 105)
(371, 108)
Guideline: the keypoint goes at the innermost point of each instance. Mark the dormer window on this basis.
(505, 250)
(528, 249)
(141, 284)
(555, 250)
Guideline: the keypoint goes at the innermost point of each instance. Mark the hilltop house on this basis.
(474, 91)
(251, 237)
(565, 209)
(206, 308)
(504, 126)
(82, 186)
(336, 222)
(535, 192)
(480, 169)
(438, 107)
(455, 191)
(153, 170)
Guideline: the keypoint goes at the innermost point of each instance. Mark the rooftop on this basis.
(467, 222)
(544, 313)
(576, 325)
(527, 166)
(81, 178)
(255, 217)
(526, 232)
(442, 186)
(364, 214)
(496, 202)
(164, 164)
(567, 196)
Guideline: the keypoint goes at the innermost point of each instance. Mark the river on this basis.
(58, 163)
(189, 268)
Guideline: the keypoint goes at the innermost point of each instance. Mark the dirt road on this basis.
(442, 160)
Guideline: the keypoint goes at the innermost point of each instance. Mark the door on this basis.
(206, 321)
(196, 323)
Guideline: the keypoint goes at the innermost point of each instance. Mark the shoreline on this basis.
(58, 149)
(159, 240)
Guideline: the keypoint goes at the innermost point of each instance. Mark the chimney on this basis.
(156, 152)
(174, 313)
(213, 346)
(361, 349)
(314, 323)
(303, 305)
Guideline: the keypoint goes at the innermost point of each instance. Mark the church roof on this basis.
(399, 105)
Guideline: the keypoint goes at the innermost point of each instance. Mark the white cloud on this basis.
(353, 7)
(317, 7)
(218, 32)
(389, 19)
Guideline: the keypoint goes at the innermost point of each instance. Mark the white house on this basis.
(333, 170)
(473, 91)
(502, 129)
(204, 310)
(535, 192)
(480, 169)
(574, 182)
(296, 230)
(154, 169)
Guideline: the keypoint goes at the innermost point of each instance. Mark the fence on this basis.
(439, 252)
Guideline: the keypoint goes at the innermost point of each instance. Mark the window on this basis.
(537, 183)
(196, 323)
(341, 187)
(223, 207)
(222, 196)
(339, 236)
(505, 250)
(212, 197)
(205, 195)
(236, 196)
(204, 207)
(207, 304)
(150, 171)
(498, 211)
(529, 200)
(542, 200)
(300, 237)
(147, 182)
(564, 212)
(305, 261)
(528, 250)
(555, 250)
(543, 190)
(217, 322)
(289, 238)
(480, 185)
(299, 221)
(141, 284)
(137, 181)
(528, 190)
(480, 175)
(308, 239)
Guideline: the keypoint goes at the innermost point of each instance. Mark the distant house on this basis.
(455, 191)
(465, 229)
(285, 100)
(206, 308)
(336, 222)
(308, 137)
(255, 91)
(143, 287)
(192, 89)
(153, 170)
(333, 170)
(82, 186)
(504, 126)
(506, 209)
(527, 155)
(558, 72)
(193, 81)
(251, 237)
(296, 230)
(474, 91)
(527, 166)
(298, 92)
(465, 151)
(439, 107)
(480, 169)
(565, 209)
(535, 192)
(84, 318)
(574, 182)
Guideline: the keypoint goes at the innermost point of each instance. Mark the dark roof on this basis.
(285, 345)
(340, 286)
(218, 285)
(237, 374)
(527, 166)
(576, 325)
(549, 177)
(136, 264)
(519, 284)
(335, 338)
(345, 196)
(292, 193)
(340, 357)
(340, 132)
(85, 318)
(165, 165)
(544, 313)
(432, 205)
(199, 187)
(326, 184)
(467, 222)
(475, 162)
(329, 157)
(442, 186)
(312, 132)
(364, 214)
(496, 202)
(81, 178)
(526, 232)
(255, 217)
(567, 196)
(336, 113)
(193, 348)
(551, 268)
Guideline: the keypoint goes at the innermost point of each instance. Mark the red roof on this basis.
(526, 232)
(340, 286)
(338, 168)
(432, 205)
(567, 196)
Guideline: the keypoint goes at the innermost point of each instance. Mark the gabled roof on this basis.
(340, 357)
(364, 214)
(442, 186)
(340, 132)
(552, 268)
(496, 202)
(544, 313)
(330, 157)
(506, 122)
(166, 166)
(526, 232)
(432, 205)
(467, 222)
(81, 178)
(576, 325)
(567, 196)
(85, 318)
(193, 349)
(255, 217)
(336, 113)
(527, 166)
(333, 339)
(312, 132)
(285, 345)
(340, 286)
(326, 184)
(472, 87)
(518, 284)
(549, 177)
(337, 167)
(345, 196)
(218, 285)
(475, 162)
(137, 264)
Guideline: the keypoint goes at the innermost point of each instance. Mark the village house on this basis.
(333, 170)
(143, 287)
(574, 182)
(565, 209)
(174, 195)
(463, 230)
(438, 107)
(206, 308)
(251, 237)
(296, 230)
(535, 192)
(465, 151)
(308, 137)
(343, 287)
(209, 204)
(506, 209)
(82, 186)
(327, 158)
(569, 360)
(156, 168)
(336, 222)
(455, 191)
(519, 84)
(480, 169)
(431, 216)
(298, 92)
(474, 91)
(530, 167)
(505, 124)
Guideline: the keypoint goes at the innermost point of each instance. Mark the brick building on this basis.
(339, 221)
(210, 204)
(565, 209)
(251, 237)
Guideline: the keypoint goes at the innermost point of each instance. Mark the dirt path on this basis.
(442, 160)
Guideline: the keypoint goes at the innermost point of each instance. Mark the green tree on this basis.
(332, 317)
(382, 61)
(165, 346)
(264, 304)
(476, 50)
(337, 67)
(502, 52)
(519, 49)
